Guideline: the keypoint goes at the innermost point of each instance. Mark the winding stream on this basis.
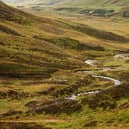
(93, 92)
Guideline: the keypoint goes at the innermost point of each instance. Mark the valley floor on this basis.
(107, 108)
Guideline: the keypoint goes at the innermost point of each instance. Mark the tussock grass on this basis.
(100, 33)
(41, 60)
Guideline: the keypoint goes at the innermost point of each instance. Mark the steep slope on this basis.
(33, 46)
(21, 54)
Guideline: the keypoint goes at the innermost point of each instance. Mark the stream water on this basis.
(92, 63)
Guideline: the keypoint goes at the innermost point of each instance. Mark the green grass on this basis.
(40, 60)
(97, 4)
(100, 33)
(64, 42)
(69, 8)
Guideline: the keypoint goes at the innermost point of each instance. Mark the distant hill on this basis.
(73, 3)
(94, 7)
(82, 7)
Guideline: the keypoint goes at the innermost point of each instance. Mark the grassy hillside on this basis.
(38, 49)
(81, 7)
(42, 66)
(76, 3)
(27, 55)
(99, 3)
